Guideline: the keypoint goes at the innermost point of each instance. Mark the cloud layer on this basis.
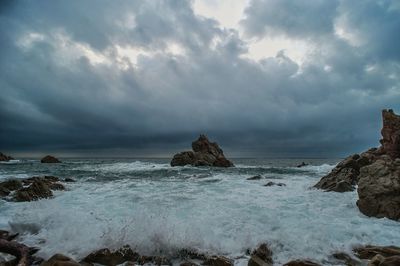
(146, 77)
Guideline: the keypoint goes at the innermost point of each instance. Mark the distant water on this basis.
(160, 209)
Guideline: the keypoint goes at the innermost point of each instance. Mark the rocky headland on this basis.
(376, 172)
(205, 153)
(5, 158)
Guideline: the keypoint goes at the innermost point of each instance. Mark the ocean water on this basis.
(160, 209)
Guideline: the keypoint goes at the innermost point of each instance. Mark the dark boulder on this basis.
(112, 257)
(5, 158)
(9, 185)
(270, 184)
(49, 159)
(35, 191)
(262, 256)
(301, 263)
(302, 164)
(60, 260)
(256, 177)
(218, 261)
(369, 251)
(205, 153)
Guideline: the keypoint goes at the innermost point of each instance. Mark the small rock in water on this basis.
(256, 177)
(302, 164)
(106, 256)
(69, 180)
(270, 184)
(49, 159)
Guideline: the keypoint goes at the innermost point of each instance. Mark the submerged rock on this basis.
(256, 177)
(205, 153)
(270, 184)
(49, 159)
(302, 164)
(262, 256)
(5, 158)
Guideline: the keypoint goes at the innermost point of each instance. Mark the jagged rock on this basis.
(218, 261)
(391, 133)
(379, 189)
(29, 189)
(262, 256)
(369, 251)
(270, 184)
(5, 158)
(302, 164)
(49, 159)
(256, 177)
(205, 153)
(60, 260)
(301, 263)
(35, 191)
(112, 257)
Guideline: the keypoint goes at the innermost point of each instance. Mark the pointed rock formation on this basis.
(376, 172)
(5, 158)
(205, 153)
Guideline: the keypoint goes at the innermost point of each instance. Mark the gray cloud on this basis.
(56, 97)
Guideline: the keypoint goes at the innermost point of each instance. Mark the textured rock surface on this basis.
(379, 189)
(205, 153)
(112, 257)
(301, 263)
(60, 260)
(49, 159)
(391, 133)
(262, 256)
(4, 157)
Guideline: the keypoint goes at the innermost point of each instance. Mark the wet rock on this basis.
(270, 184)
(369, 251)
(342, 186)
(389, 261)
(188, 263)
(347, 259)
(112, 257)
(49, 159)
(69, 180)
(391, 133)
(205, 153)
(218, 261)
(60, 260)
(9, 185)
(301, 263)
(256, 177)
(262, 256)
(35, 191)
(5, 158)
(302, 164)
(379, 189)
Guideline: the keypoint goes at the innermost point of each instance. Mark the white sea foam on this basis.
(220, 213)
(121, 167)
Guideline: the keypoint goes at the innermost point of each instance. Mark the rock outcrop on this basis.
(49, 159)
(30, 189)
(5, 158)
(262, 256)
(376, 172)
(205, 153)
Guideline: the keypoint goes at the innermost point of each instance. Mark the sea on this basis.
(159, 210)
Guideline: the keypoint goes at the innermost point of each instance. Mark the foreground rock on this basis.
(5, 158)
(301, 263)
(205, 153)
(112, 257)
(30, 189)
(379, 256)
(60, 260)
(376, 172)
(22, 253)
(262, 256)
(49, 159)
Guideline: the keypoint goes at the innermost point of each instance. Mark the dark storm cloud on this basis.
(66, 85)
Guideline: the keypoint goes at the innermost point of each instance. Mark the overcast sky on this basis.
(261, 77)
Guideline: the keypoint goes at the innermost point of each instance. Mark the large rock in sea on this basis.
(376, 172)
(5, 158)
(49, 159)
(205, 153)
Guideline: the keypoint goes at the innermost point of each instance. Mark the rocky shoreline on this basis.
(376, 172)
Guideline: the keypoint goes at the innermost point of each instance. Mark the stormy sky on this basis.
(261, 77)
